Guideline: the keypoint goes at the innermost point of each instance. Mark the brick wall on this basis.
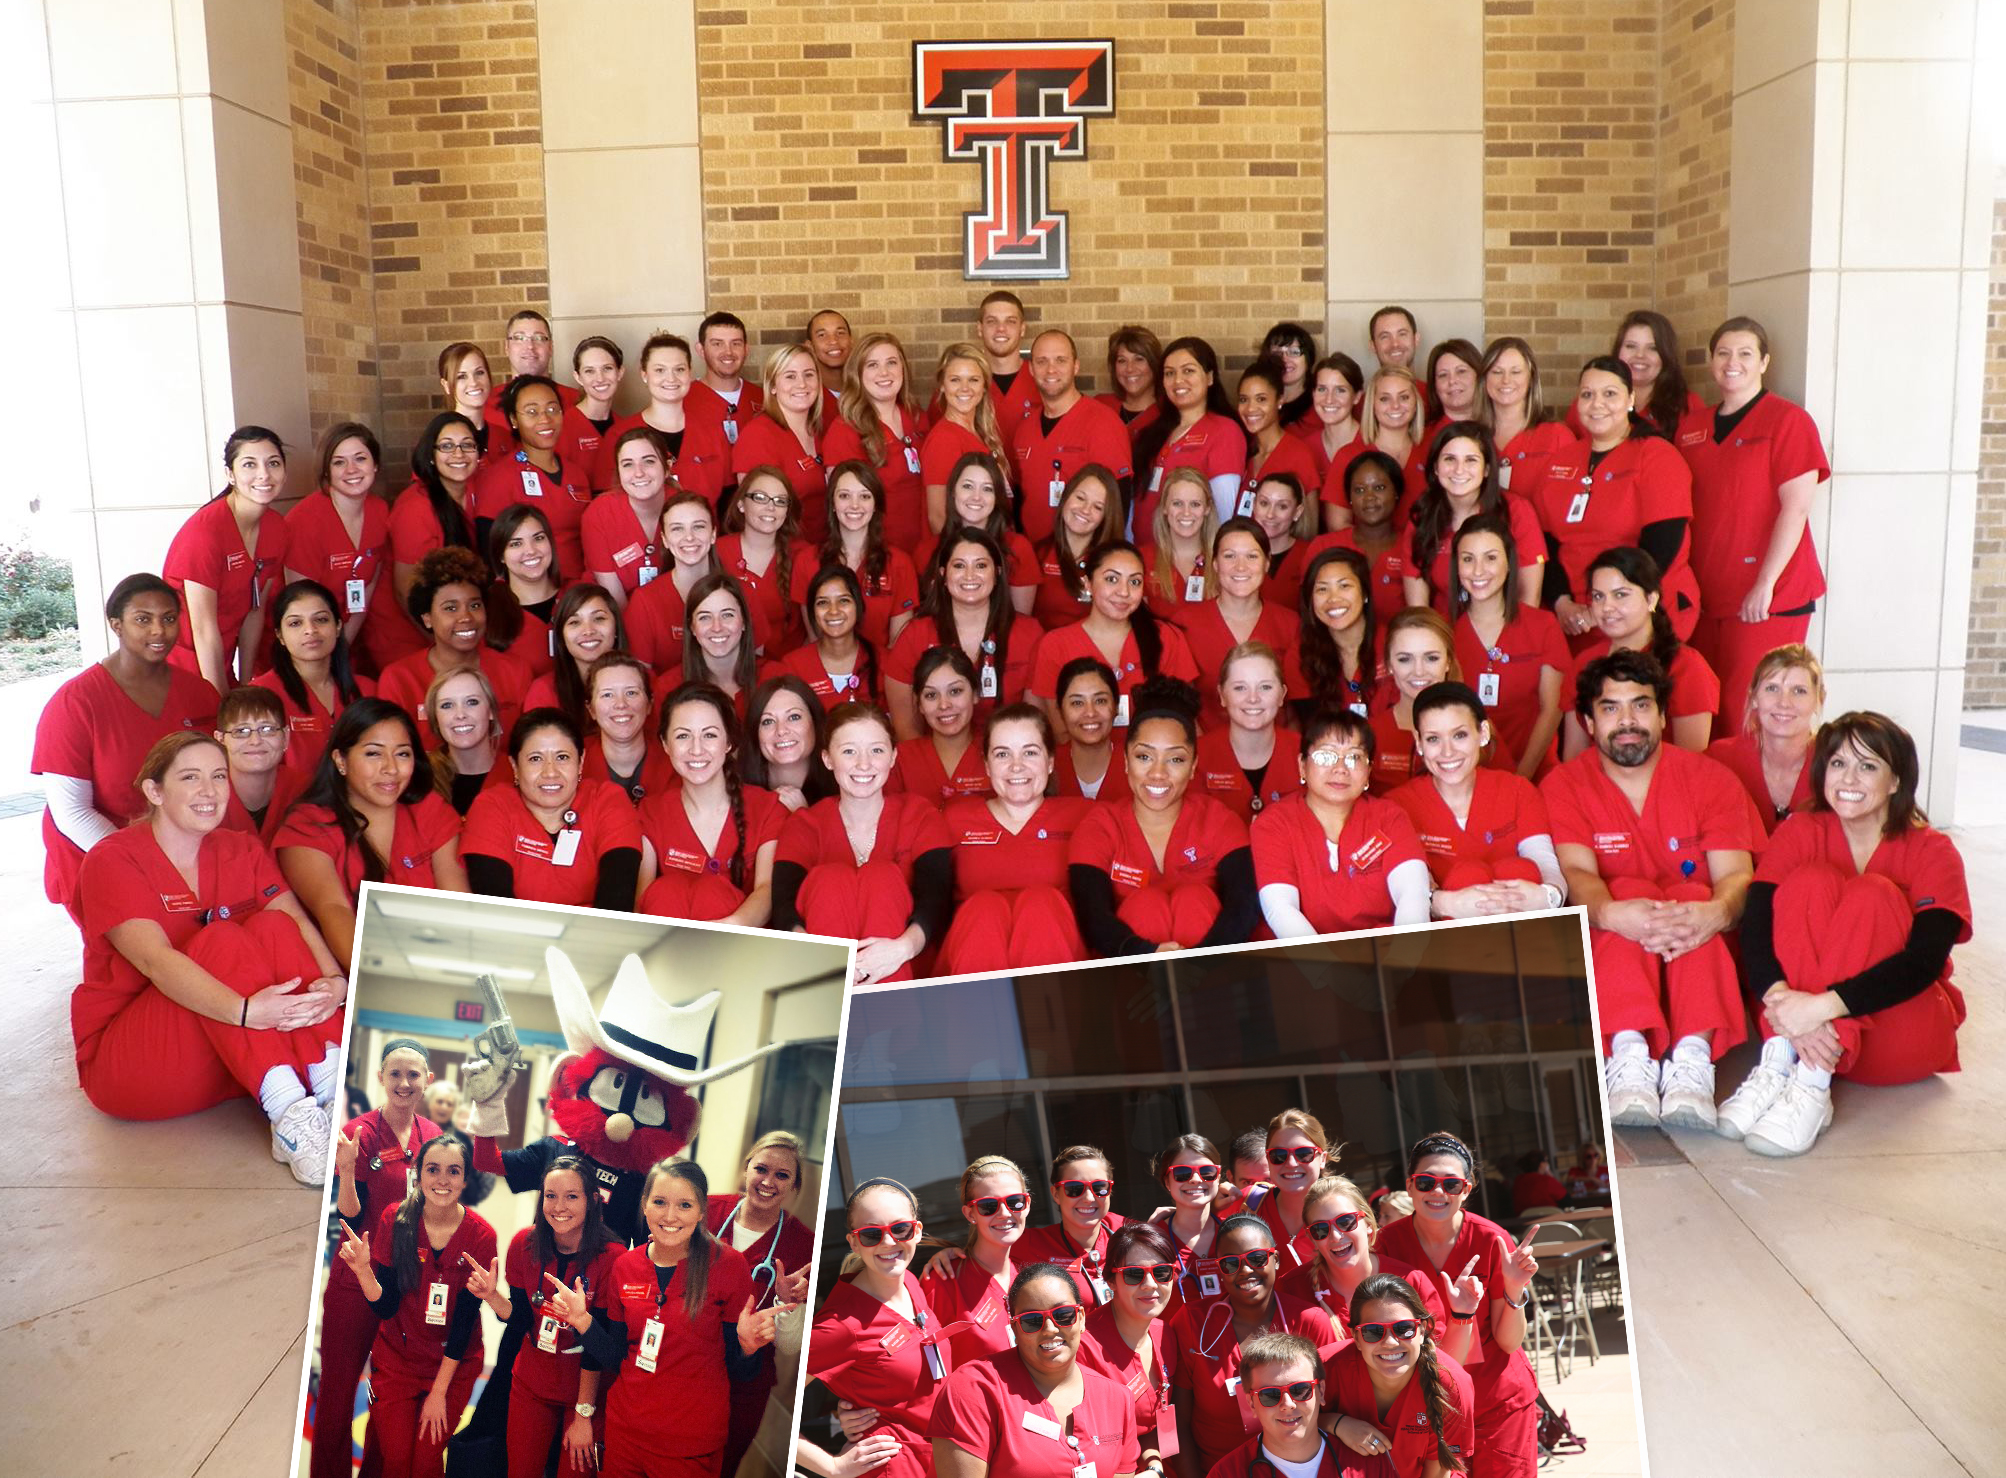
(1198, 209)
(324, 80)
(1985, 670)
(1571, 164)
(455, 182)
(1696, 114)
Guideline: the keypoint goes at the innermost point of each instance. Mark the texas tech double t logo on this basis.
(1014, 107)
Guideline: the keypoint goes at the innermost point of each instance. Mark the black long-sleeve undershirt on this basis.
(1903, 975)
(606, 1340)
(461, 1323)
(932, 892)
(1239, 900)
(618, 881)
(1109, 937)
(1660, 540)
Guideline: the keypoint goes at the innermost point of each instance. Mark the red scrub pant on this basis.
(1184, 913)
(685, 895)
(1469, 873)
(1733, 648)
(625, 1460)
(1635, 990)
(394, 1404)
(997, 930)
(1830, 926)
(1507, 1442)
(748, 1410)
(869, 902)
(347, 1329)
(158, 1060)
(534, 1425)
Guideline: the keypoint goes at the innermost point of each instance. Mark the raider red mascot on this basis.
(619, 1099)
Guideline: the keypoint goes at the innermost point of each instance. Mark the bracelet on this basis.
(1523, 1299)
(1462, 1318)
(244, 1016)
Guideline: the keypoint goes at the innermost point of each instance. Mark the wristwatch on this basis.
(585, 1409)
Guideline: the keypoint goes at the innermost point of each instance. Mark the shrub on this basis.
(36, 595)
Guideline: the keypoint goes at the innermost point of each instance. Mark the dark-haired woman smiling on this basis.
(536, 474)
(449, 599)
(1119, 629)
(553, 837)
(226, 560)
(311, 671)
(967, 608)
(338, 534)
(369, 815)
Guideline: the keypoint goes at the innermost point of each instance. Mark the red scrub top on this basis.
(1042, 462)
(790, 1243)
(1054, 1244)
(657, 616)
(988, 857)
(1020, 560)
(946, 443)
(579, 437)
(1284, 584)
(702, 464)
(1178, 602)
(870, 1355)
(1520, 460)
(1136, 421)
(1014, 403)
(1389, 570)
(1020, 651)
(657, 775)
(1303, 1283)
(1241, 1461)
(1219, 774)
(90, 730)
(1105, 1352)
(307, 728)
(1500, 1380)
(893, 593)
(919, 772)
(1365, 695)
(1695, 689)
(898, 471)
(1693, 807)
(1054, 605)
(208, 550)
(500, 826)
(126, 876)
(385, 1168)
(1216, 445)
(1067, 642)
(1444, 591)
(1210, 639)
(1641, 481)
(1735, 505)
(1505, 809)
(1291, 455)
(1348, 1389)
(552, 1375)
(419, 830)
(616, 543)
(682, 1408)
(407, 681)
(702, 403)
(908, 827)
(318, 546)
(561, 498)
(1204, 833)
(1330, 487)
(993, 1410)
(415, 530)
(1208, 1358)
(666, 824)
(408, 1347)
(980, 1307)
(766, 442)
(1742, 756)
(1506, 676)
(765, 595)
(1396, 753)
(1114, 781)
(830, 688)
(1338, 892)
(1922, 862)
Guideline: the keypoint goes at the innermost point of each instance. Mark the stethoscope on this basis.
(765, 1270)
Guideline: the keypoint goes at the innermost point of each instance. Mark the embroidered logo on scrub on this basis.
(1611, 841)
(1367, 854)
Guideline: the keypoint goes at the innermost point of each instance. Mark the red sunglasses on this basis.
(990, 1205)
(1400, 1329)
(1452, 1185)
(1063, 1316)
(1302, 1154)
(898, 1231)
(1134, 1274)
(1182, 1173)
(1072, 1190)
(1297, 1391)
(1344, 1221)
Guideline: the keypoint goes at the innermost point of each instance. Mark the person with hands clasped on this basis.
(1035, 1409)
(1440, 1239)
(226, 562)
(1393, 1393)
(414, 1271)
(680, 1317)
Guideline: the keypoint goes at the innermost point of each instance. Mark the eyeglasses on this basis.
(1298, 1391)
(898, 1231)
(1134, 1273)
(1259, 1258)
(1344, 1221)
(990, 1205)
(1063, 1316)
(1330, 759)
(1302, 1154)
(1451, 1185)
(1400, 1329)
(1290, 351)
(1182, 1174)
(263, 731)
(1072, 1190)
(449, 448)
(767, 500)
(522, 338)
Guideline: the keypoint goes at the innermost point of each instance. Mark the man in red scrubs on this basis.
(1000, 325)
(829, 337)
(1067, 432)
(1656, 841)
(723, 397)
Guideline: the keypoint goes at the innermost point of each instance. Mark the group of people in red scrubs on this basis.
(634, 1350)
(985, 672)
(1245, 1321)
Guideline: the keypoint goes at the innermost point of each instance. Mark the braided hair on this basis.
(1435, 1392)
(734, 784)
(1636, 567)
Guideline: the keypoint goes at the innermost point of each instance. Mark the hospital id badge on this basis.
(358, 596)
(1121, 712)
(546, 1334)
(651, 1346)
(989, 685)
(565, 851)
(1504, 473)
(731, 431)
(648, 573)
(410, 1179)
(1194, 588)
(1155, 478)
(435, 1303)
(935, 1366)
(912, 459)
(1245, 507)
(1208, 1284)
(1086, 1469)
(1057, 488)
(1577, 507)
(1102, 1293)
(1487, 688)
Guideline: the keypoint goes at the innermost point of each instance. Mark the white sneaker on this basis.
(1632, 1081)
(1751, 1100)
(300, 1141)
(1686, 1093)
(1800, 1114)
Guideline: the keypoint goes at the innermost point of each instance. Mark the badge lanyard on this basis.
(1088, 1262)
(652, 1331)
(564, 851)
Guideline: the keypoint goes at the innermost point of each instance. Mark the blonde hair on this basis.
(1343, 1188)
(1163, 576)
(1307, 1122)
(769, 377)
(778, 1139)
(855, 402)
(1427, 618)
(1245, 649)
(1368, 415)
(444, 772)
(1781, 659)
(986, 428)
(980, 1168)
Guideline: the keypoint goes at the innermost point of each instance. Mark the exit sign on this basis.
(475, 1011)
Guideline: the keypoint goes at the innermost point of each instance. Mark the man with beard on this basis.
(1656, 842)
